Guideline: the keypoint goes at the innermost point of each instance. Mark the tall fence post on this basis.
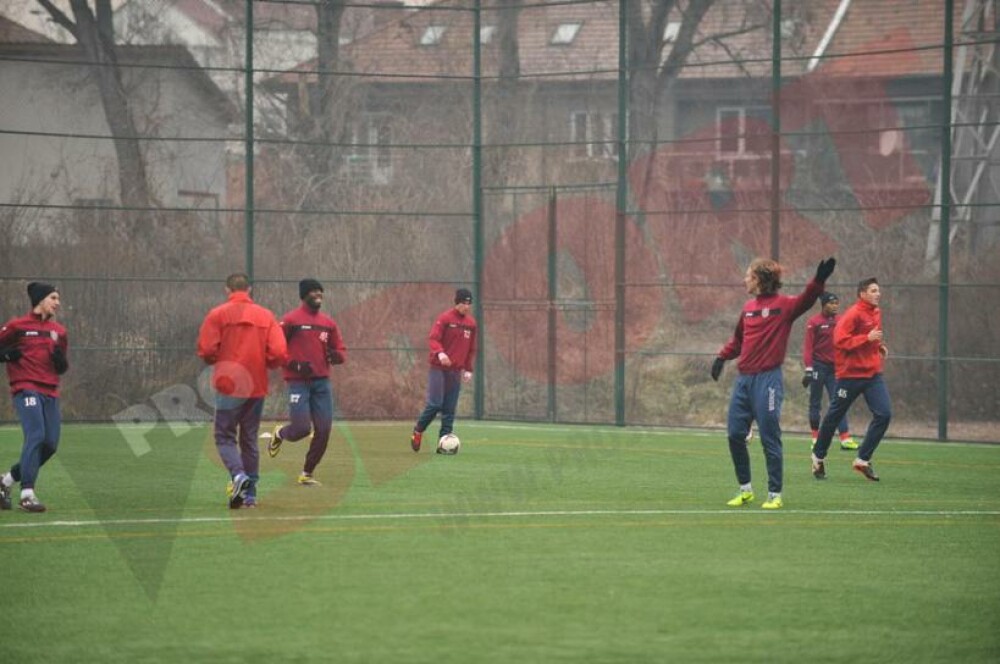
(477, 203)
(248, 139)
(553, 294)
(945, 227)
(776, 131)
(621, 205)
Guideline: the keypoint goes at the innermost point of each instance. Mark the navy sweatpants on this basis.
(876, 396)
(310, 408)
(237, 422)
(826, 381)
(443, 389)
(41, 424)
(757, 397)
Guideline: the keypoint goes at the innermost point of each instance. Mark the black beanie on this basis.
(827, 298)
(463, 295)
(307, 286)
(38, 291)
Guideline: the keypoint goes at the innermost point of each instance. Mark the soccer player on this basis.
(859, 347)
(314, 345)
(760, 342)
(35, 349)
(241, 340)
(452, 344)
(817, 356)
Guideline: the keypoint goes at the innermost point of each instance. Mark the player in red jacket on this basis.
(760, 343)
(859, 346)
(314, 345)
(35, 349)
(817, 357)
(452, 344)
(241, 340)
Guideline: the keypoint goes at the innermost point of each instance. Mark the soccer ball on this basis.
(449, 444)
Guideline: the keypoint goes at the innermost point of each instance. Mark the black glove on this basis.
(825, 269)
(808, 377)
(717, 368)
(12, 354)
(59, 360)
(334, 357)
(302, 368)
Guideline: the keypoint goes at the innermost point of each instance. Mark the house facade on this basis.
(57, 143)
(717, 114)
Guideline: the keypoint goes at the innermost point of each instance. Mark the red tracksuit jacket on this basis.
(818, 345)
(242, 341)
(454, 335)
(855, 355)
(761, 337)
(312, 337)
(36, 339)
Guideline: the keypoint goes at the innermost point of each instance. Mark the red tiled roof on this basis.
(890, 28)
(867, 25)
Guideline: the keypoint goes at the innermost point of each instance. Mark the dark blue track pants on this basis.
(443, 389)
(757, 397)
(876, 396)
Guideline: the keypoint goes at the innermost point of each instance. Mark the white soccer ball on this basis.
(449, 444)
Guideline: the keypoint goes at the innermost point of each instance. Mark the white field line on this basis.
(580, 430)
(444, 516)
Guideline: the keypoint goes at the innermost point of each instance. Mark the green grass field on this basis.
(534, 544)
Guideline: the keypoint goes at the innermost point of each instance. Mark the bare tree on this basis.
(93, 30)
(329, 15)
(507, 105)
(649, 72)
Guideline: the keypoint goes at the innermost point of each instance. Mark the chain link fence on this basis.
(600, 173)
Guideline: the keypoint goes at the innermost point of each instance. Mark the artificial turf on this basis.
(534, 544)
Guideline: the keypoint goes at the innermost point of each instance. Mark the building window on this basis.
(432, 35)
(898, 131)
(743, 130)
(205, 202)
(594, 134)
(565, 34)
(486, 34)
(371, 155)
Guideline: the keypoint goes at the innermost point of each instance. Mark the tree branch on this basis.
(60, 18)
(683, 45)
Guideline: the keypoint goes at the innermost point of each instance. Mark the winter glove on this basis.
(12, 354)
(59, 361)
(809, 377)
(825, 269)
(303, 369)
(717, 368)
(334, 357)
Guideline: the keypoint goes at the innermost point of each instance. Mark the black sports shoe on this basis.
(818, 468)
(31, 504)
(866, 469)
(4, 497)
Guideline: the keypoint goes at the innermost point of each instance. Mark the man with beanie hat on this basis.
(241, 340)
(314, 345)
(817, 356)
(452, 354)
(34, 347)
